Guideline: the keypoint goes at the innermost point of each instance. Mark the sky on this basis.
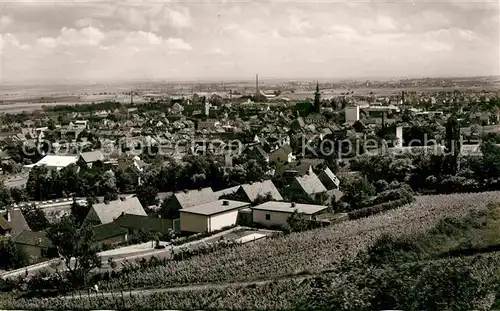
(105, 41)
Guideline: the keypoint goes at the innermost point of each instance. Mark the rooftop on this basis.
(310, 183)
(55, 161)
(153, 224)
(213, 208)
(32, 238)
(112, 210)
(287, 207)
(195, 197)
(262, 188)
(92, 156)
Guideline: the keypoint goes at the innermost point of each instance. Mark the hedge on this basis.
(372, 210)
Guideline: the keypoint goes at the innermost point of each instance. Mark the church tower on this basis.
(317, 99)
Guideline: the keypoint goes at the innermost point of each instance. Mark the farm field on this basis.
(308, 252)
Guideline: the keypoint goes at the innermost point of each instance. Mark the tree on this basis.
(146, 193)
(357, 191)
(453, 143)
(10, 256)
(475, 130)
(169, 211)
(262, 198)
(35, 217)
(297, 222)
(108, 184)
(36, 180)
(5, 197)
(19, 195)
(79, 212)
(126, 180)
(76, 247)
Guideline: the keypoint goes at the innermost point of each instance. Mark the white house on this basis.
(211, 216)
(276, 214)
(54, 161)
(351, 114)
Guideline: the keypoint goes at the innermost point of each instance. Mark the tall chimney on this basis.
(8, 215)
(257, 86)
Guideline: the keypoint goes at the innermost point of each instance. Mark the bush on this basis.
(403, 192)
(372, 210)
(381, 185)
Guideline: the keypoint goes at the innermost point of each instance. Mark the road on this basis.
(129, 253)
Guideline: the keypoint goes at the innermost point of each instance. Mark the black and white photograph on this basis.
(249, 155)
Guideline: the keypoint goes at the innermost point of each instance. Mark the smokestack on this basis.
(257, 85)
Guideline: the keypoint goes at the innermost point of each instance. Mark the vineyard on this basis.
(305, 255)
(306, 252)
(359, 289)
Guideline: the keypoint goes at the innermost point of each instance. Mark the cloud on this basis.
(178, 18)
(88, 21)
(219, 51)
(88, 36)
(141, 38)
(9, 40)
(103, 39)
(343, 32)
(177, 44)
(435, 46)
(47, 42)
(94, 37)
(5, 20)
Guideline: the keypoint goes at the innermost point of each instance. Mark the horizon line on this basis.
(233, 80)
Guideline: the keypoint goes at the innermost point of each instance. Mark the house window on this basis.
(268, 216)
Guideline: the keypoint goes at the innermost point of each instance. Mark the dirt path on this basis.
(196, 287)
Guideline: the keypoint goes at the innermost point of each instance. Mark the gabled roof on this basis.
(310, 183)
(106, 231)
(327, 172)
(195, 197)
(32, 238)
(302, 167)
(149, 223)
(92, 156)
(286, 149)
(262, 188)
(335, 193)
(17, 221)
(227, 191)
(109, 212)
